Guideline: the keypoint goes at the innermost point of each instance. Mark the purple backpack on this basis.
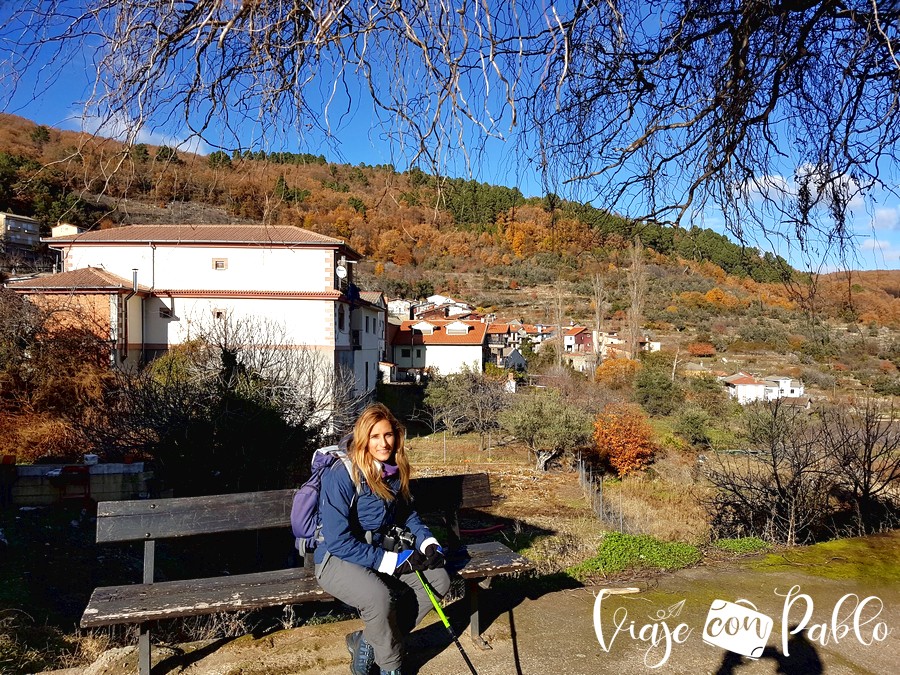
(305, 507)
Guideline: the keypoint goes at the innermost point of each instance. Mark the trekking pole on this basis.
(440, 613)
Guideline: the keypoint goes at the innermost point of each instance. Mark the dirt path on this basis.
(554, 633)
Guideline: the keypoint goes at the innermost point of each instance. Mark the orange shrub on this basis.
(700, 349)
(616, 373)
(624, 438)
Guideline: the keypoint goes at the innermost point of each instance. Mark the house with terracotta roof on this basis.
(188, 275)
(442, 345)
(498, 341)
(92, 298)
(578, 339)
(745, 388)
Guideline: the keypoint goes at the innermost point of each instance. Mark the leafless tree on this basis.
(466, 401)
(637, 295)
(600, 302)
(863, 441)
(234, 407)
(558, 309)
(779, 489)
(256, 355)
(780, 113)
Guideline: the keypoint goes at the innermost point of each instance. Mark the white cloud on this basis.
(118, 127)
(886, 218)
(879, 253)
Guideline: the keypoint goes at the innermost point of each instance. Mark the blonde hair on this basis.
(364, 463)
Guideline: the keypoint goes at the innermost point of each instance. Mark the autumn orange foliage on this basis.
(617, 373)
(701, 349)
(624, 438)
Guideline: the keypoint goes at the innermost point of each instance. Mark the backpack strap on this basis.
(348, 464)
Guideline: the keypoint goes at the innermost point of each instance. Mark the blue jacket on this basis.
(345, 518)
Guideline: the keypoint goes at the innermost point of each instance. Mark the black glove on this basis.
(434, 556)
(410, 561)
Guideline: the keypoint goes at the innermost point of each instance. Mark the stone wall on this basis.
(43, 484)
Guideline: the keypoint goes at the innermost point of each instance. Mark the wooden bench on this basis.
(154, 519)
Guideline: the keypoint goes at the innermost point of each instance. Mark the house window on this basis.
(418, 353)
(219, 314)
(341, 318)
(220, 263)
(165, 313)
(404, 353)
(367, 324)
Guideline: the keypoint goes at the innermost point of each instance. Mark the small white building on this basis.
(745, 388)
(442, 345)
(782, 386)
(400, 308)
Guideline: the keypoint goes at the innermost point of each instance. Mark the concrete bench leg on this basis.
(144, 649)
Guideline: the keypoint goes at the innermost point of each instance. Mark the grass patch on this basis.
(619, 552)
(873, 559)
(742, 545)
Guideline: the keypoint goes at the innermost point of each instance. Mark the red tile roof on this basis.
(372, 297)
(280, 235)
(84, 279)
(474, 336)
(742, 378)
(497, 328)
(575, 330)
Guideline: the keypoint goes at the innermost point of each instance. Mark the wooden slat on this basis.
(143, 519)
(444, 493)
(185, 516)
(491, 559)
(134, 603)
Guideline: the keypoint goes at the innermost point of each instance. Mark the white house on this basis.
(745, 388)
(189, 275)
(782, 386)
(400, 308)
(442, 345)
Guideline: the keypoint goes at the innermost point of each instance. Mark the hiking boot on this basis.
(362, 654)
(391, 672)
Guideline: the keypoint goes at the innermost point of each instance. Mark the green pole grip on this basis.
(434, 600)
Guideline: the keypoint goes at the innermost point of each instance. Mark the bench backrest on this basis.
(152, 519)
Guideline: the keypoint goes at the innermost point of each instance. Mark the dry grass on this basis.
(439, 450)
(664, 503)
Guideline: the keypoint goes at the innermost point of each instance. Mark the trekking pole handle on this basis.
(434, 600)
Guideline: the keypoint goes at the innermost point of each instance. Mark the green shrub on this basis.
(692, 425)
(742, 545)
(620, 551)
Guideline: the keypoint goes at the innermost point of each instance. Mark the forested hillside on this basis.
(418, 232)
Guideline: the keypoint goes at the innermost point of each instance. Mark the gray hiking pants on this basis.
(385, 603)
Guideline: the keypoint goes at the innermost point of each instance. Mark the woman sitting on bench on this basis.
(358, 560)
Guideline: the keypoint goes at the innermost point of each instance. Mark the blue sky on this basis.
(359, 138)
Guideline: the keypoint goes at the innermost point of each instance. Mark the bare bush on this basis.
(779, 487)
(863, 442)
(234, 408)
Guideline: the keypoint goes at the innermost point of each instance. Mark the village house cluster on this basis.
(146, 288)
